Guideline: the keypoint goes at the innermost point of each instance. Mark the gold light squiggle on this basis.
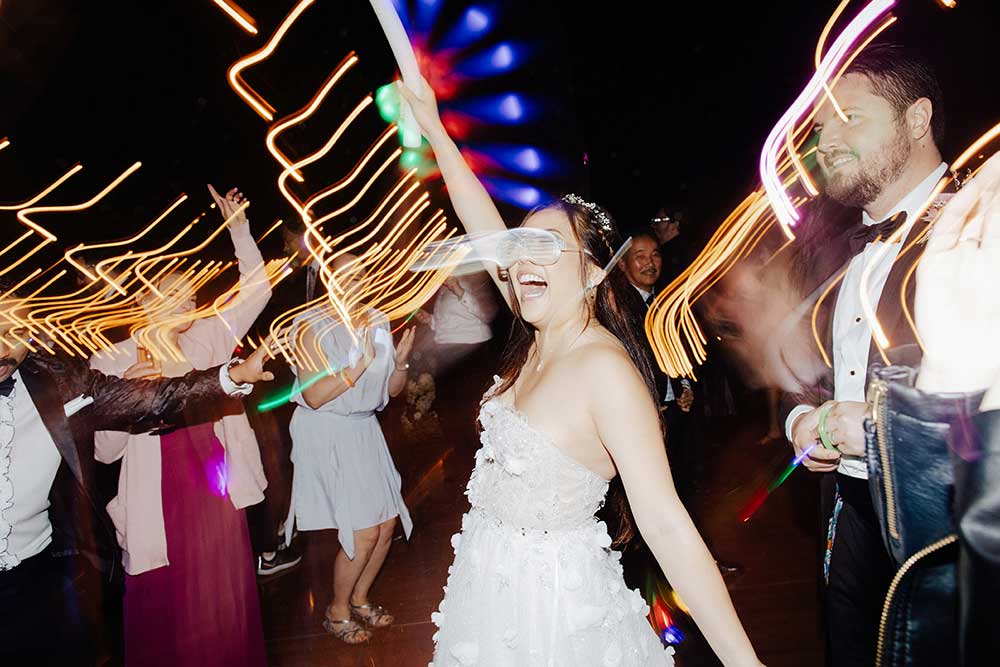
(235, 74)
(238, 15)
(302, 114)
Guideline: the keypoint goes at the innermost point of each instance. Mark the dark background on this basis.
(668, 104)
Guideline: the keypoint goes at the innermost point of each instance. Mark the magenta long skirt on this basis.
(202, 610)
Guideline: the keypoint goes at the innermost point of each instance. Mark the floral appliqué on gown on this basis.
(535, 581)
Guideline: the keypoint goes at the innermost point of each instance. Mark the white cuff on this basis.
(685, 383)
(796, 412)
(669, 394)
(227, 383)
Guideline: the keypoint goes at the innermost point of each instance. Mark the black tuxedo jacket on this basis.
(80, 524)
(895, 302)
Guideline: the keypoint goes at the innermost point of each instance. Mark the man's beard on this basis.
(873, 174)
(7, 366)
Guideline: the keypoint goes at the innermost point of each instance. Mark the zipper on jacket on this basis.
(896, 580)
(879, 389)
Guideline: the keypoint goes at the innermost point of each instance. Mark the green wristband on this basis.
(824, 437)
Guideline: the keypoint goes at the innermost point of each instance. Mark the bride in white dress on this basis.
(535, 581)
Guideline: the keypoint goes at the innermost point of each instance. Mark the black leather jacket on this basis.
(936, 491)
(80, 525)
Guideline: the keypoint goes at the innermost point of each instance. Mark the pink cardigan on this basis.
(137, 510)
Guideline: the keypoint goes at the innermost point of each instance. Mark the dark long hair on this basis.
(617, 307)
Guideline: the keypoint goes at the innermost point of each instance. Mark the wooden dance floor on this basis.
(777, 596)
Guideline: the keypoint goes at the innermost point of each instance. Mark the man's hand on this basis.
(805, 432)
(142, 369)
(956, 309)
(686, 399)
(252, 370)
(845, 426)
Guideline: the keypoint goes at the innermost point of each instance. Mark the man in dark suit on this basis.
(878, 153)
(643, 267)
(53, 529)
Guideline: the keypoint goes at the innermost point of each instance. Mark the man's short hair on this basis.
(645, 234)
(902, 78)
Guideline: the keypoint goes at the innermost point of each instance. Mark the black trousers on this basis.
(271, 430)
(683, 451)
(46, 616)
(860, 573)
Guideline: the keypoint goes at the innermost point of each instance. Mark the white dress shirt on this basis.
(464, 320)
(643, 293)
(29, 461)
(852, 331)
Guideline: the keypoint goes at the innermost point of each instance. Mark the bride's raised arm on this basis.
(627, 424)
(476, 210)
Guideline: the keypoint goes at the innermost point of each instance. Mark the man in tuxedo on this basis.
(53, 528)
(880, 157)
(643, 265)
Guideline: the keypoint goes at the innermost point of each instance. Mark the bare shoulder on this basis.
(607, 367)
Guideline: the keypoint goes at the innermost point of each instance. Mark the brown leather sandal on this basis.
(372, 614)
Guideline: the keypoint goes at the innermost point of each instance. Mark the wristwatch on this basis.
(234, 389)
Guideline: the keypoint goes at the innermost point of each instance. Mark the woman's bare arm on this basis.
(318, 393)
(474, 206)
(627, 424)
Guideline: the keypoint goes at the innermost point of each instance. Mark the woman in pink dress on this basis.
(190, 593)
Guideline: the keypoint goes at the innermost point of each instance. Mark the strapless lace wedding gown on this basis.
(534, 580)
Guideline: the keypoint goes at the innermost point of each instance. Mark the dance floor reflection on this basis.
(777, 596)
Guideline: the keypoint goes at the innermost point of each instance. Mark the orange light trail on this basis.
(34, 200)
(318, 155)
(380, 143)
(239, 16)
(235, 74)
(302, 114)
(114, 244)
(277, 223)
(22, 215)
(387, 265)
(818, 60)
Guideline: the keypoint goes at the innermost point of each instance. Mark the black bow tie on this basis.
(865, 234)
(7, 386)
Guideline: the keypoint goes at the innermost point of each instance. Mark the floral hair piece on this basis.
(603, 221)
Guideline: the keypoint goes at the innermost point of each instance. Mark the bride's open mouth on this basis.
(532, 285)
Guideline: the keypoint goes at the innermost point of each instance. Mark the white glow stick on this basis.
(402, 50)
